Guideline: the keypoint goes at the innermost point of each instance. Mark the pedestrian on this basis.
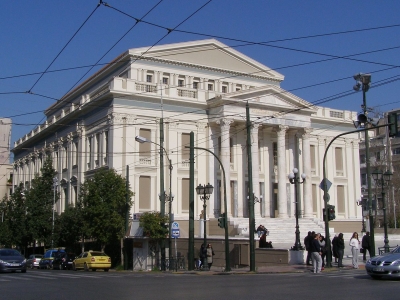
(340, 249)
(262, 243)
(334, 248)
(355, 248)
(322, 244)
(210, 254)
(366, 245)
(307, 241)
(203, 255)
(315, 249)
(261, 230)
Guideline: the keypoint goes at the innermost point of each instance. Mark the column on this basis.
(225, 159)
(282, 195)
(307, 192)
(255, 167)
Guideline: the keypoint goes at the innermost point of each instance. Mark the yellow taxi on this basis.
(92, 260)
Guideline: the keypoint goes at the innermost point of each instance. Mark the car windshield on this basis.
(98, 254)
(9, 252)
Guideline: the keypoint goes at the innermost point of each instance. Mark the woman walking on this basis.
(340, 249)
(355, 248)
(210, 254)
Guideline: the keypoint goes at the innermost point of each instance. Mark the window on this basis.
(210, 87)
(185, 142)
(312, 154)
(149, 78)
(165, 80)
(362, 159)
(339, 161)
(275, 153)
(364, 179)
(396, 151)
(195, 85)
(180, 82)
(378, 156)
(340, 199)
(231, 150)
(145, 148)
(224, 89)
(185, 194)
(237, 89)
(144, 192)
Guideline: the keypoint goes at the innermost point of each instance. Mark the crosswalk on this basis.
(44, 275)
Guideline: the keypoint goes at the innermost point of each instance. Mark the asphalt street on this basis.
(53, 284)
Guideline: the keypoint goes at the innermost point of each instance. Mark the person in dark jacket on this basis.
(203, 256)
(366, 245)
(334, 248)
(315, 249)
(340, 249)
(307, 241)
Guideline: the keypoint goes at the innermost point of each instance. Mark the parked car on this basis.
(385, 265)
(47, 260)
(33, 261)
(92, 260)
(11, 260)
(63, 261)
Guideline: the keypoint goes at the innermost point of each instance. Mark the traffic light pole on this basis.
(326, 194)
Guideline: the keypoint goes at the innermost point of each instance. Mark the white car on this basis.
(33, 261)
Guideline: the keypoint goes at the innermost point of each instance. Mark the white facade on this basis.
(5, 166)
(201, 86)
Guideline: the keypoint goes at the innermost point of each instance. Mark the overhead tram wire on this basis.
(59, 53)
(116, 43)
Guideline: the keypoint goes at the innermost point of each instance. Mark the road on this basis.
(53, 284)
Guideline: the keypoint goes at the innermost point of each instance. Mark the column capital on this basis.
(306, 133)
(225, 123)
(281, 130)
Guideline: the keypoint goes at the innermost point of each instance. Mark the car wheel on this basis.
(23, 271)
(73, 267)
(94, 270)
(49, 267)
(105, 270)
(85, 267)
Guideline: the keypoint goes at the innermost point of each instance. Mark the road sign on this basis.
(328, 184)
(175, 225)
(175, 233)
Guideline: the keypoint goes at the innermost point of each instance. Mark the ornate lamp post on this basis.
(204, 192)
(361, 203)
(382, 180)
(295, 179)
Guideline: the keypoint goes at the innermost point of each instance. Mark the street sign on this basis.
(175, 233)
(328, 184)
(175, 225)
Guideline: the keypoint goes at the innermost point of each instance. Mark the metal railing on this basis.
(173, 264)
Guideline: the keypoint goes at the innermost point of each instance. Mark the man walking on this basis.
(366, 245)
(307, 241)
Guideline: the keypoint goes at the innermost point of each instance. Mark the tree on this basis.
(68, 229)
(40, 198)
(104, 201)
(16, 219)
(5, 235)
(154, 227)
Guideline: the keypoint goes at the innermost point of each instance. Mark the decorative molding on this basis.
(225, 124)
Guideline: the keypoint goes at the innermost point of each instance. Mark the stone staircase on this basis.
(281, 231)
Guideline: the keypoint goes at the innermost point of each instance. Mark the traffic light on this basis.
(331, 212)
(392, 124)
(324, 214)
(221, 221)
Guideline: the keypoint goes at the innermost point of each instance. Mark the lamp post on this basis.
(55, 184)
(361, 203)
(382, 180)
(163, 196)
(363, 81)
(204, 192)
(295, 179)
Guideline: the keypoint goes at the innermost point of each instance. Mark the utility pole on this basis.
(252, 223)
(191, 203)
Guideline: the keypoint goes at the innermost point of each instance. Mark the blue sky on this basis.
(297, 36)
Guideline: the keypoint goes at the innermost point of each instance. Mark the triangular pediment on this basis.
(270, 96)
(209, 54)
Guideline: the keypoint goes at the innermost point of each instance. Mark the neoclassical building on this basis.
(202, 87)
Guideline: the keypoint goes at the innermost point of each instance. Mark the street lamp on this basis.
(163, 196)
(382, 180)
(169, 198)
(361, 203)
(363, 82)
(295, 179)
(55, 184)
(204, 192)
